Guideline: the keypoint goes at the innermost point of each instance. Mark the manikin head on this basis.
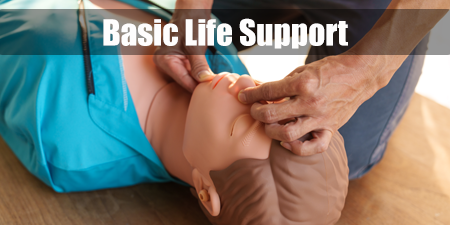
(234, 161)
(220, 130)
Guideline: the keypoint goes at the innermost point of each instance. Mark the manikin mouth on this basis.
(219, 80)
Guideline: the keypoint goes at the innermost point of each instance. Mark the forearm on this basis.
(191, 9)
(395, 35)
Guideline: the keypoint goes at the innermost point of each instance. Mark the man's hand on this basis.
(323, 97)
(187, 65)
(326, 93)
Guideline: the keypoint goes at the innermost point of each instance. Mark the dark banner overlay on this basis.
(136, 32)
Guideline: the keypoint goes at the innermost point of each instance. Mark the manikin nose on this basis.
(241, 83)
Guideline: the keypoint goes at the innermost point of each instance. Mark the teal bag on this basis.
(69, 137)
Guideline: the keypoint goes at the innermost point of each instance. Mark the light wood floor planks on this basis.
(410, 186)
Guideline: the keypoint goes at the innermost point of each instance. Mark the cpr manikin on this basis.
(208, 140)
(239, 174)
(243, 177)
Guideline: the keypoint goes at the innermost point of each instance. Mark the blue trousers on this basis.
(366, 134)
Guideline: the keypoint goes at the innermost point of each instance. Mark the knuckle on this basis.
(321, 148)
(167, 58)
(197, 66)
(267, 116)
(289, 133)
(307, 85)
(316, 103)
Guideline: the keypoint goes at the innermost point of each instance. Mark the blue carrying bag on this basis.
(70, 137)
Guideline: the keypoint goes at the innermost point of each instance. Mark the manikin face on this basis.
(220, 130)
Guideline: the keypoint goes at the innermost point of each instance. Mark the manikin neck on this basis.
(162, 107)
(165, 129)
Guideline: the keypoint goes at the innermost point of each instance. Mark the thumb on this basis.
(200, 70)
(267, 91)
(173, 65)
(317, 144)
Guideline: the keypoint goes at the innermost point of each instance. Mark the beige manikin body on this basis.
(210, 129)
(162, 107)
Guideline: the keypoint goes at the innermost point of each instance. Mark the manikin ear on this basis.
(207, 193)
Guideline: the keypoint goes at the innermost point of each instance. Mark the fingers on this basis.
(185, 74)
(257, 82)
(291, 131)
(266, 91)
(300, 135)
(200, 69)
(318, 144)
(174, 66)
(271, 113)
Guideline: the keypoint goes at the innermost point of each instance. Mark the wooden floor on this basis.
(410, 186)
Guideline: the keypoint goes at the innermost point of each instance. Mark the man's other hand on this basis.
(321, 97)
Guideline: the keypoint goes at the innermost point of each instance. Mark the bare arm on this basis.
(397, 32)
(325, 94)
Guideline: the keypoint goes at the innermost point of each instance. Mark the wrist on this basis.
(191, 9)
(378, 69)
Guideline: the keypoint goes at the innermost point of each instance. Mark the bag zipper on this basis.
(86, 53)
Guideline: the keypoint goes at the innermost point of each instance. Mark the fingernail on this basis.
(205, 75)
(286, 146)
(241, 97)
